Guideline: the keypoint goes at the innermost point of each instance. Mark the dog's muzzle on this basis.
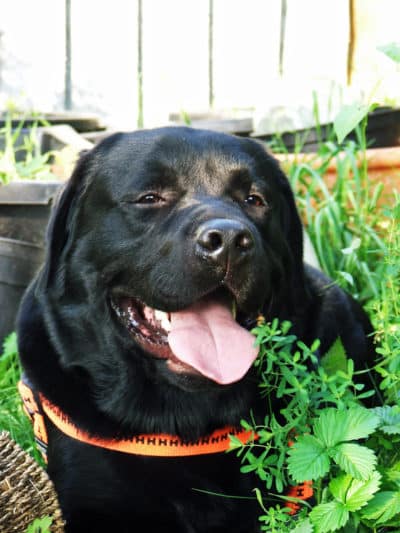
(224, 243)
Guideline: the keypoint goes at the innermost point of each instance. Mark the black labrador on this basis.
(163, 248)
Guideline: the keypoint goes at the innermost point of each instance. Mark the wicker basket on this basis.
(26, 491)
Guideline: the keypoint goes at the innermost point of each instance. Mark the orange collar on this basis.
(36, 405)
(161, 445)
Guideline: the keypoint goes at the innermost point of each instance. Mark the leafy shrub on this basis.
(323, 433)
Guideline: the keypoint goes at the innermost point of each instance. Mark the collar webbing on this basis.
(162, 445)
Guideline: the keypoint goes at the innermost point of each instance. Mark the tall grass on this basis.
(385, 310)
(343, 220)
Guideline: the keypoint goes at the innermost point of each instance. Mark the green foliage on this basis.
(12, 416)
(337, 441)
(322, 433)
(275, 520)
(185, 117)
(348, 118)
(344, 221)
(34, 164)
(310, 457)
(383, 507)
(391, 50)
(40, 525)
(334, 359)
(349, 495)
(385, 310)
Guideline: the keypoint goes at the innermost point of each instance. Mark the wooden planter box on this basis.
(80, 122)
(24, 212)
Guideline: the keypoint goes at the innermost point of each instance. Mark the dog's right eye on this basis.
(150, 198)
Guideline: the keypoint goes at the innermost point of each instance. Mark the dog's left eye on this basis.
(255, 200)
(150, 198)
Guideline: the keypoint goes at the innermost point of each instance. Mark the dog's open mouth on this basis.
(206, 338)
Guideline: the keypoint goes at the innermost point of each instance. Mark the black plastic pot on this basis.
(25, 208)
(24, 212)
(383, 130)
(241, 127)
(19, 261)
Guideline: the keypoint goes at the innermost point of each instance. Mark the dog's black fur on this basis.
(127, 223)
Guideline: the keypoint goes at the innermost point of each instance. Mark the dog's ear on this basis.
(289, 235)
(289, 217)
(292, 228)
(63, 219)
(291, 221)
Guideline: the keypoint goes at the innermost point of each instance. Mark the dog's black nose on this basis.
(223, 241)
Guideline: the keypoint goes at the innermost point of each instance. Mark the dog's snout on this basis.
(224, 240)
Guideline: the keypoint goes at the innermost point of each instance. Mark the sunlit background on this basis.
(139, 62)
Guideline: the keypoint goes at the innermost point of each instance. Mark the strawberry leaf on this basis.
(339, 487)
(304, 526)
(356, 460)
(360, 492)
(357, 423)
(329, 516)
(334, 426)
(353, 493)
(326, 428)
(383, 507)
(307, 459)
(389, 419)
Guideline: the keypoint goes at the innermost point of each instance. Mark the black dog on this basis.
(163, 248)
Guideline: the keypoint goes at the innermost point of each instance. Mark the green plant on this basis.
(34, 164)
(323, 434)
(343, 219)
(344, 222)
(385, 311)
(40, 525)
(12, 417)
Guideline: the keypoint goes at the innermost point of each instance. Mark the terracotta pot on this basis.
(383, 167)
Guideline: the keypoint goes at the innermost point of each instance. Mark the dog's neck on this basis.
(160, 445)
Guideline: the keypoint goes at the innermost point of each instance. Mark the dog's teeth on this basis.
(149, 314)
(132, 318)
(163, 319)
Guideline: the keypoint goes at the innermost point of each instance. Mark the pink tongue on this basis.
(206, 337)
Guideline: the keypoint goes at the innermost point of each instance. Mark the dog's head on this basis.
(164, 247)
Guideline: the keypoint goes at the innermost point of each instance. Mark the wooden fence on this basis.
(133, 62)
